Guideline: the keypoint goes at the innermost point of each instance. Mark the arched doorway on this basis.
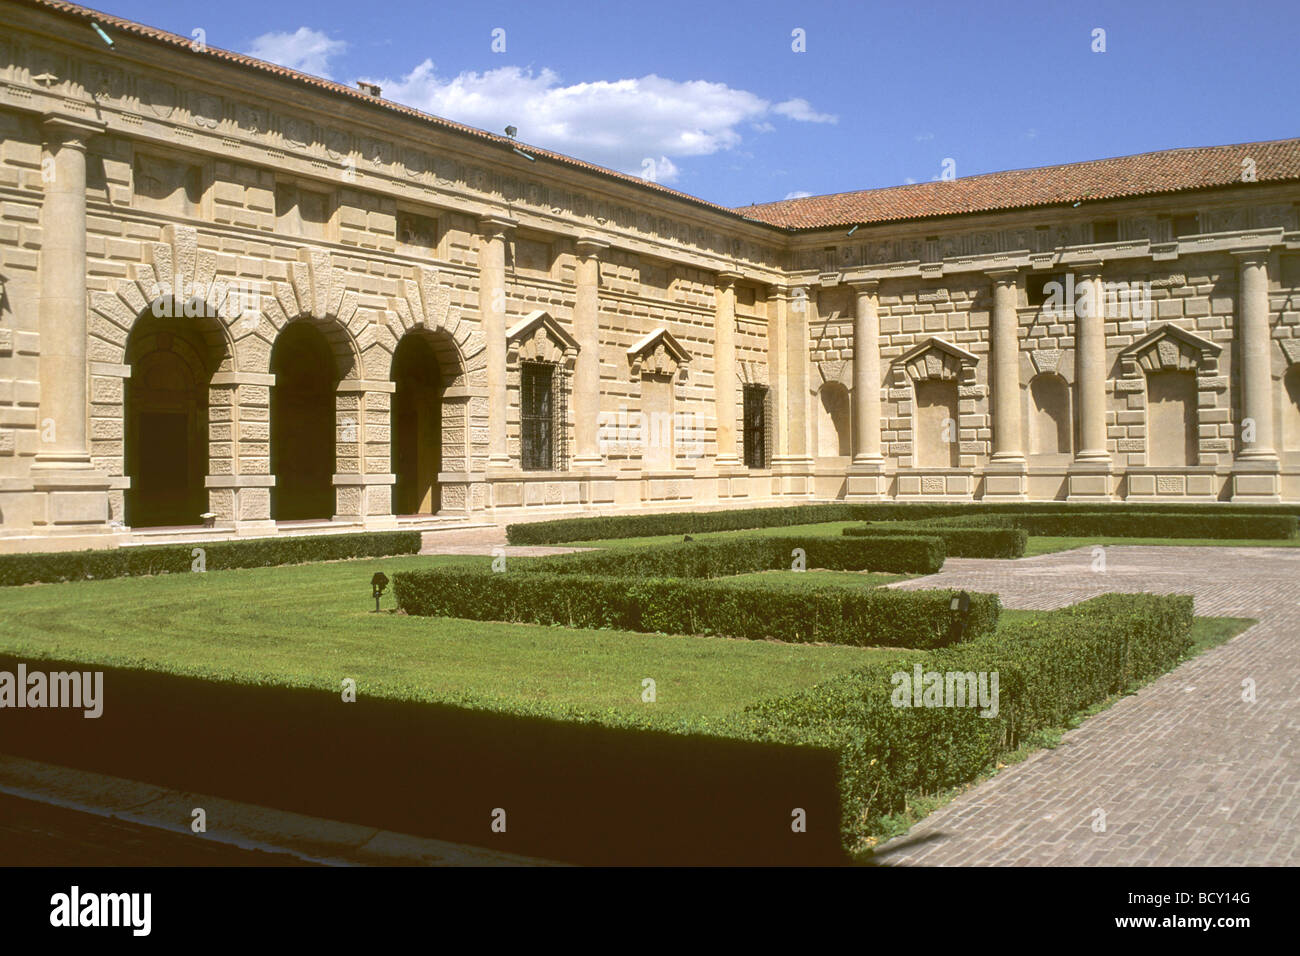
(416, 426)
(166, 422)
(302, 424)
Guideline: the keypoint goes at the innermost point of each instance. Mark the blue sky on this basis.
(712, 99)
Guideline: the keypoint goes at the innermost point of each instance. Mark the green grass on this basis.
(313, 625)
(1046, 545)
(1206, 633)
(808, 580)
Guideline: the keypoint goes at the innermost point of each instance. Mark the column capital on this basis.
(1004, 275)
(493, 225)
(726, 278)
(69, 130)
(863, 286)
(1253, 255)
(1085, 271)
(588, 246)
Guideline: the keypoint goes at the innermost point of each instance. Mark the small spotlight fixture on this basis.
(378, 584)
(853, 230)
(531, 159)
(512, 131)
(102, 35)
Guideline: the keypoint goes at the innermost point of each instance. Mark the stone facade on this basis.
(163, 208)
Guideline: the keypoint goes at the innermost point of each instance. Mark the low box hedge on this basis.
(958, 542)
(677, 523)
(833, 615)
(1049, 667)
(741, 555)
(1126, 524)
(217, 555)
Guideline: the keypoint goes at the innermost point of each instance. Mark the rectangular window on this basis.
(1185, 225)
(537, 415)
(755, 431)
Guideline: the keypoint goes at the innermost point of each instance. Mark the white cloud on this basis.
(924, 137)
(797, 194)
(305, 49)
(632, 125)
(802, 111)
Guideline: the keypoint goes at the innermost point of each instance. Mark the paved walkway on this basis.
(1186, 772)
(485, 541)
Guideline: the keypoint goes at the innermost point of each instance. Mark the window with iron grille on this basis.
(755, 428)
(537, 415)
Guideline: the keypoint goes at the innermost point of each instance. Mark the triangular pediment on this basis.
(658, 353)
(1168, 347)
(936, 359)
(540, 320)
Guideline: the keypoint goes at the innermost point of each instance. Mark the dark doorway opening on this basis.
(416, 427)
(166, 423)
(302, 424)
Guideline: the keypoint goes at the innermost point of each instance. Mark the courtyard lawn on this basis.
(809, 580)
(313, 625)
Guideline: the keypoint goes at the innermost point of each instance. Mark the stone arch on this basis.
(180, 280)
(1050, 420)
(171, 355)
(303, 417)
(316, 292)
(427, 420)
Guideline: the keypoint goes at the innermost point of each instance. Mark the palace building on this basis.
(235, 294)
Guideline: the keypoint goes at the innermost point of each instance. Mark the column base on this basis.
(1006, 480)
(1257, 480)
(76, 494)
(866, 481)
(1090, 480)
(793, 474)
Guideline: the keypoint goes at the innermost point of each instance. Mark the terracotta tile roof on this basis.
(111, 23)
(1167, 171)
(1148, 173)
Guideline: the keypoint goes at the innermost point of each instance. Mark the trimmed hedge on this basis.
(1139, 524)
(832, 615)
(957, 542)
(218, 555)
(1049, 668)
(676, 523)
(742, 555)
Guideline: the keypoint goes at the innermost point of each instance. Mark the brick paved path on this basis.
(1186, 772)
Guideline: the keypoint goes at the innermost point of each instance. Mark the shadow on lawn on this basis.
(571, 792)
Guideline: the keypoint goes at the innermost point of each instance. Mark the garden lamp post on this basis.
(377, 585)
